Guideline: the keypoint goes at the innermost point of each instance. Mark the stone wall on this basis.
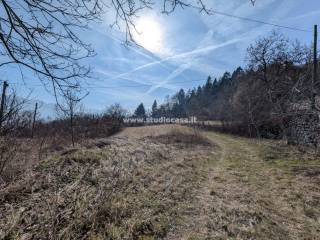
(304, 129)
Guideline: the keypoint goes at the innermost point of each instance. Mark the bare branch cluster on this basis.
(126, 11)
(44, 36)
(41, 35)
(15, 116)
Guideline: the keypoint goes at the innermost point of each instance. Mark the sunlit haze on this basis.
(149, 34)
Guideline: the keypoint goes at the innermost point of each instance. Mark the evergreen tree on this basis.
(226, 79)
(215, 86)
(208, 86)
(199, 91)
(181, 96)
(237, 73)
(206, 101)
(140, 112)
(193, 94)
(154, 109)
(179, 106)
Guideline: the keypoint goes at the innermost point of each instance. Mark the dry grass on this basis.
(167, 182)
(183, 136)
(16, 157)
(20, 155)
(254, 192)
(152, 131)
(115, 189)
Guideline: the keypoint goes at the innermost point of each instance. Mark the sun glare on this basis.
(149, 34)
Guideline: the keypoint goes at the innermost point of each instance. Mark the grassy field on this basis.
(167, 182)
(257, 190)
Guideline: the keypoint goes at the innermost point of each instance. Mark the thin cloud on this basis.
(309, 14)
(137, 49)
(190, 59)
(182, 55)
(108, 74)
(173, 75)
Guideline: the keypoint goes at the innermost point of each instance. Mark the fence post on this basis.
(3, 97)
(34, 119)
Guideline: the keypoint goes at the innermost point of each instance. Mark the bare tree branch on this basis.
(43, 35)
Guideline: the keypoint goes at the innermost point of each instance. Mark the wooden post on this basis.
(3, 97)
(315, 68)
(34, 119)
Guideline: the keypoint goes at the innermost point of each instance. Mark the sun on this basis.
(149, 34)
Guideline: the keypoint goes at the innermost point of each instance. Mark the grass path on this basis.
(256, 190)
(167, 182)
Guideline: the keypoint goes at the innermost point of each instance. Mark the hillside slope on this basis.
(130, 186)
(167, 182)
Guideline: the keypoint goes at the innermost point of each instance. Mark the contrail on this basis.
(181, 55)
(317, 12)
(173, 75)
(184, 67)
(149, 56)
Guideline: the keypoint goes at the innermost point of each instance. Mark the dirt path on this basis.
(248, 196)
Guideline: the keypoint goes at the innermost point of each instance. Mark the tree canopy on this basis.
(258, 99)
(140, 112)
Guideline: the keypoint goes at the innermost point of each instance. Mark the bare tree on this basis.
(69, 110)
(43, 35)
(281, 66)
(116, 111)
(127, 10)
(14, 117)
(14, 122)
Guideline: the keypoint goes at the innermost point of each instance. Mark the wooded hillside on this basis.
(256, 100)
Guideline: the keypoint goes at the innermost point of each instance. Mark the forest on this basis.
(256, 100)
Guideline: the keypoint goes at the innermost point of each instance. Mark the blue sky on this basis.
(182, 50)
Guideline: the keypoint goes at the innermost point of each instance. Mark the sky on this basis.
(177, 51)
